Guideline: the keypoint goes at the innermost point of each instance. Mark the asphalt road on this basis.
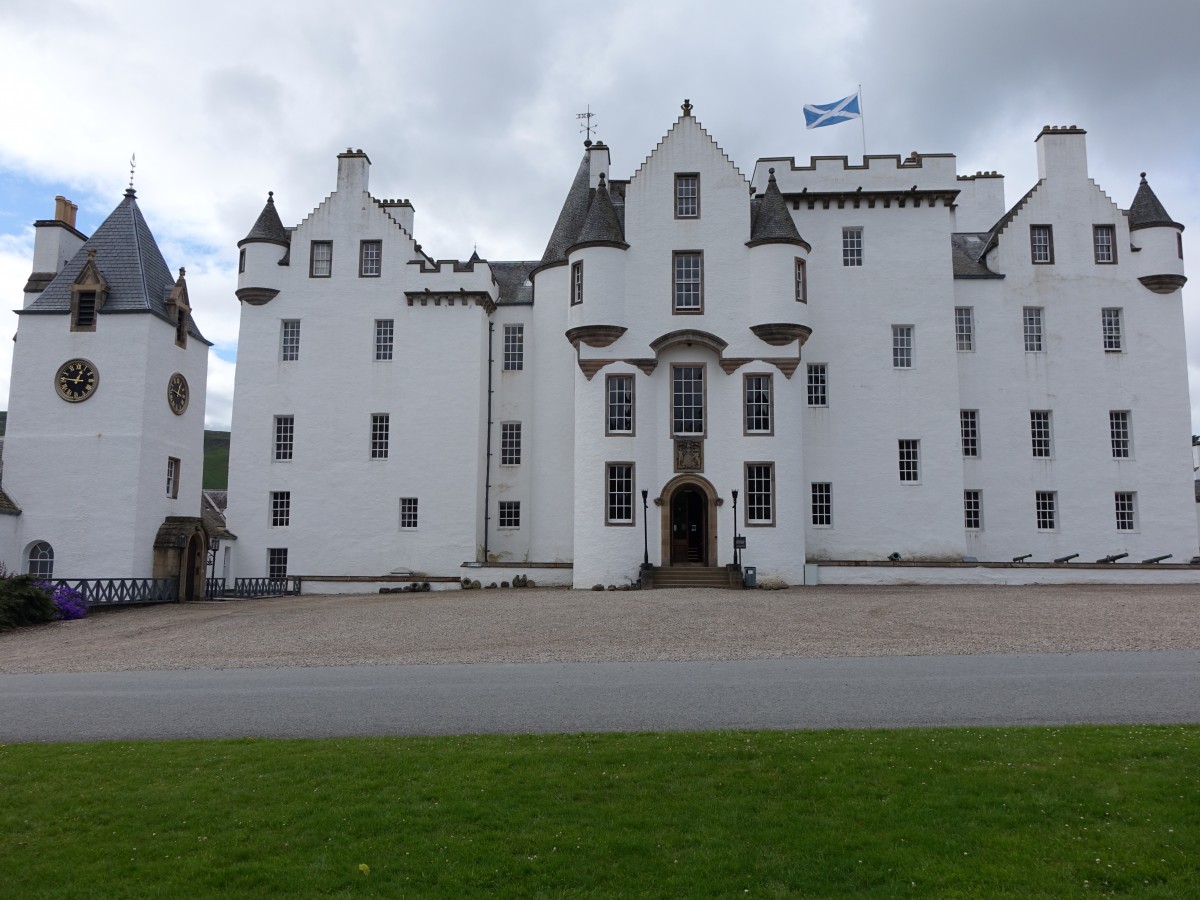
(848, 692)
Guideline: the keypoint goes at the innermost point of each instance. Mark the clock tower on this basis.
(103, 459)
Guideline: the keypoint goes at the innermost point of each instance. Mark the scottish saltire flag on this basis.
(818, 115)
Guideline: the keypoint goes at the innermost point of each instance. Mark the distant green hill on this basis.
(216, 460)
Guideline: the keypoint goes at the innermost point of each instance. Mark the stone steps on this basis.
(691, 577)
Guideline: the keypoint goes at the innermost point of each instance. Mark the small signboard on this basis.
(739, 542)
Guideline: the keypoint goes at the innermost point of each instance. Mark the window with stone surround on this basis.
(687, 195)
(818, 384)
(618, 412)
(385, 338)
(760, 493)
(320, 259)
(370, 259)
(1104, 244)
(1041, 244)
(757, 404)
(687, 400)
(619, 502)
(688, 281)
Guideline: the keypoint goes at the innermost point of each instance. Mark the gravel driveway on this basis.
(549, 625)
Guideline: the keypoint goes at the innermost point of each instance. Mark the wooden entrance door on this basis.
(689, 527)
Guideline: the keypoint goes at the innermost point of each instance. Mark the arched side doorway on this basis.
(688, 523)
(193, 569)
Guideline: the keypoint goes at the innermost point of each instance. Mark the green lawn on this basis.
(955, 813)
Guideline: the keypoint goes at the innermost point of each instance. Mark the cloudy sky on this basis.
(469, 109)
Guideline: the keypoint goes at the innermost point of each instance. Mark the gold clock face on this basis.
(177, 393)
(76, 380)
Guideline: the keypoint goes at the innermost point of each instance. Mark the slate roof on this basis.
(268, 227)
(512, 279)
(132, 265)
(601, 222)
(965, 253)
(769, 216)
(212, 513)
(573, 215)
(1147, 211)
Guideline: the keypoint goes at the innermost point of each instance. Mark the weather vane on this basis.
(132, 166)
(587, 126)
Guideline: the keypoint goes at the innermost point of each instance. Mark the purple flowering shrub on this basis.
(68, 602)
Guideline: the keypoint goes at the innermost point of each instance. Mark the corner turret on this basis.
(1158, 242)
(267, 246)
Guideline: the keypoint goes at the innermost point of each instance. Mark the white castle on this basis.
(817, 367)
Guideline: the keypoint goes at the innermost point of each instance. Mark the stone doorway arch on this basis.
(688, 522)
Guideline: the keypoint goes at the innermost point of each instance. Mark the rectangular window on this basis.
(619, 402)
(687, 400)
(385, 336)
(1119, 432)
(172, 477)
(822, 504)
(1104, 243)
(852, 247)
(576, 283)
(801, 281)
(1041, 244)
(381, 424)
(510, 513)
(181, 328)
(964, 327)
(285, 434)
(514, 348)
(619, 506)
(1046, 506)
(757, 405)
(1110, 328)
(760, 493)
(818, 385)
(902, 346)
(1041, 440)
(408, 513)
(969, 426)
(1126, 509)
(510, 443)
(973, 510)
(320, 259)
(277, 562)
(1031, 319)
(241, 261)
(370, 259)
(687, 196)
(910, 460)
(281, 508)
(688, 281)
(289, 340)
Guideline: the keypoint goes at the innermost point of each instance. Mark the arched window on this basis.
(41, 561)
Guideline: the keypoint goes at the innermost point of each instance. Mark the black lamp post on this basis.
(736, 560)
(645, 529)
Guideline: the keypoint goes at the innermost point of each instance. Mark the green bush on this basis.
(22, 602)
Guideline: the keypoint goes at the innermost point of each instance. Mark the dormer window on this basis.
(87, 295)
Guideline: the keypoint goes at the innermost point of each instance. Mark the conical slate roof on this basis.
(267, 227)
(771, 223)
(1147, 211)
(574, 214)
(601, 222)
(129, 260)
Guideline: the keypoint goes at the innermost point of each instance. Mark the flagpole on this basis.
(862, 119)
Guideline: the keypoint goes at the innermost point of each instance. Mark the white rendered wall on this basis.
(90, 477)
(1079, 383)
(345, 505)
(905, 279)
